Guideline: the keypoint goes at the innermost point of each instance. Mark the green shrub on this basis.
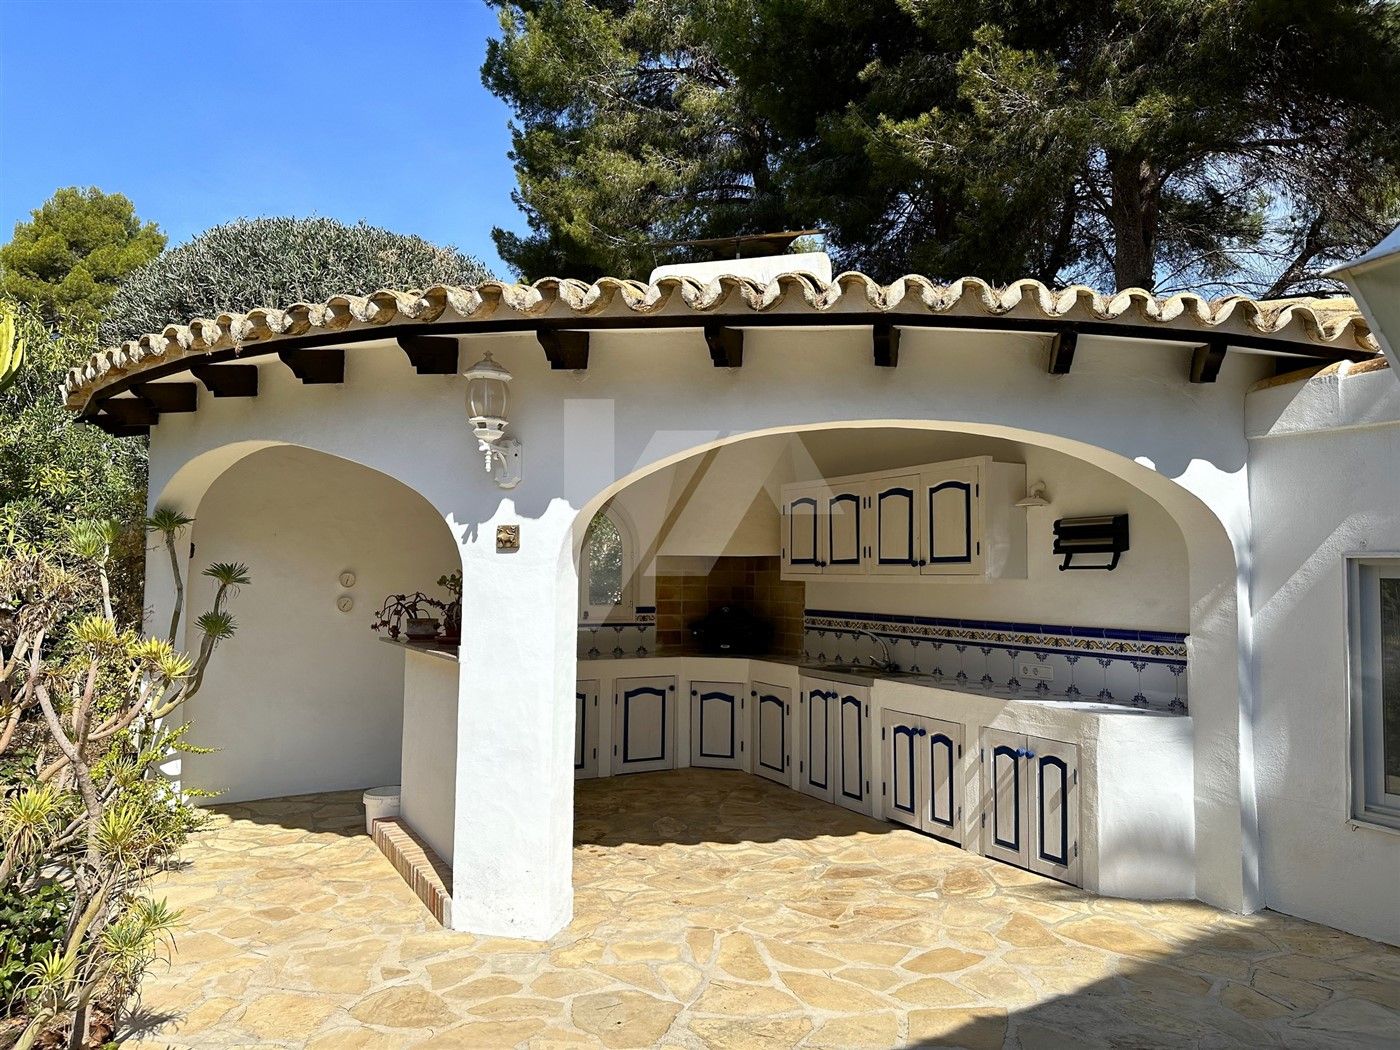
(276, 262)
(31, 924)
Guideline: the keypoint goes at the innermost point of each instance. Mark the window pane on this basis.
(602, 546)
(1390, 683)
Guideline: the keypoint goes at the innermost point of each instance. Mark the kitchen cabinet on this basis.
(895, 533)
(803, 522)
(956, 518)
(772, 731)
(644, 720)
(1030, 805)
(586, 730)
(817, 703)
(852, 786)
(922, 763)
(834, 743)
(717, 711)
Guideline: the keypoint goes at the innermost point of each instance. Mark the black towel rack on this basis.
(1099, 534)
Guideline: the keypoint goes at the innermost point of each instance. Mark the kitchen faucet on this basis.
(886, 662)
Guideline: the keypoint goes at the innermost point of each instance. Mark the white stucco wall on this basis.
(1323, 481)
(651, 398)
(304, 697)
(427, 797)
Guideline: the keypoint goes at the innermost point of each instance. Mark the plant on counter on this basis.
(86, 818)
(410, 614)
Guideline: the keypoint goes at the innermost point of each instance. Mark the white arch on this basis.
(1221, 707)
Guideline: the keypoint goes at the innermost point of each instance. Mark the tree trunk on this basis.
(1133, 214)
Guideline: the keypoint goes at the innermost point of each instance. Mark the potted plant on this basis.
(411, 615)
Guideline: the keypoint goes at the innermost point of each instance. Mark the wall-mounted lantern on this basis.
(488, 399)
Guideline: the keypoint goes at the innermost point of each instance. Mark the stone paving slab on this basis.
(713, 909)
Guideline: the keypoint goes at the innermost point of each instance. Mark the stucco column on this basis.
(512, 858)
(1222, 692)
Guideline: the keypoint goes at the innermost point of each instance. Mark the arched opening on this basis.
(305, 698)
(713, 526)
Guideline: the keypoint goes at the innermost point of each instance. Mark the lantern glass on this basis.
(487, 397)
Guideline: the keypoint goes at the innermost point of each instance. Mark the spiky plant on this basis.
(11, 351)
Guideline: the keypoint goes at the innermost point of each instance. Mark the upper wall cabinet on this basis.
(954, 519)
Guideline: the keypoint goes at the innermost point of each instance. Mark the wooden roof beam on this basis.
(228, 380)
(169, 397)
(430, 355)
(131, 411)
(316, 365)
(1206, 361)
(563, 348)
(112, 426)
(1062, 347)
(726, 345)
(886, 344)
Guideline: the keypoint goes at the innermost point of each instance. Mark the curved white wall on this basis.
(1323, 481)
(304, 697)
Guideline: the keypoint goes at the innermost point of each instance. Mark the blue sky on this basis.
(204, 111)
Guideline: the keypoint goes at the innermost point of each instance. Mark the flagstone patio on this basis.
(716, 909)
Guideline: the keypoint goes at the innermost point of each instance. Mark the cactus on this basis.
(11, 351)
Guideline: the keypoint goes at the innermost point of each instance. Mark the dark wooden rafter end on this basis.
(313, 365)
(131, 411)
(169, 397)
(1062, 347)
(726, 345)
(1206, 361)
(430, 355)
(228, 380)
(886, 344)
(112, 426)
(563, 348)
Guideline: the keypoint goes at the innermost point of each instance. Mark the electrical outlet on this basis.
(1039, 671)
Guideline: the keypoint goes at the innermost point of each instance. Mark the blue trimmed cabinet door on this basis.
(950, 519)
(895, 543)
(905, 786)
(1053, 780)
(846, 540)
(1005, 828)
(803, 529)
(772, 731)
(586, 730)
(644, 724)
(818, 756)
(941, 748)
(717, 715)
(852, 782)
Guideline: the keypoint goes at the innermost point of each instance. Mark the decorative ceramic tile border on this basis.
(1134, 667)
(619, 638)
(424, 871)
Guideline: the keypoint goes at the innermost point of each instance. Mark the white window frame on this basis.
(626, 608)
(1369, 804)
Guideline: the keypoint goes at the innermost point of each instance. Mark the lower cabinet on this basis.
(922, 758)
(833, 735)
(1030, 803)
(717, 734)
(772, 731)
(586, 730)
(644, 724)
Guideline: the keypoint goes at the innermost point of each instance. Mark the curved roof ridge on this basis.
(1334, 323)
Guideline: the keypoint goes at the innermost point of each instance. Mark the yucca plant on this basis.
(11, 351)
(93, 812)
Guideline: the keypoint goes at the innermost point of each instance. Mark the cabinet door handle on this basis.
(922, 562)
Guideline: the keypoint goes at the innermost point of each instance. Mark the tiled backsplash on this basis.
(1131, 667)
(634, 637)
(751, 583)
